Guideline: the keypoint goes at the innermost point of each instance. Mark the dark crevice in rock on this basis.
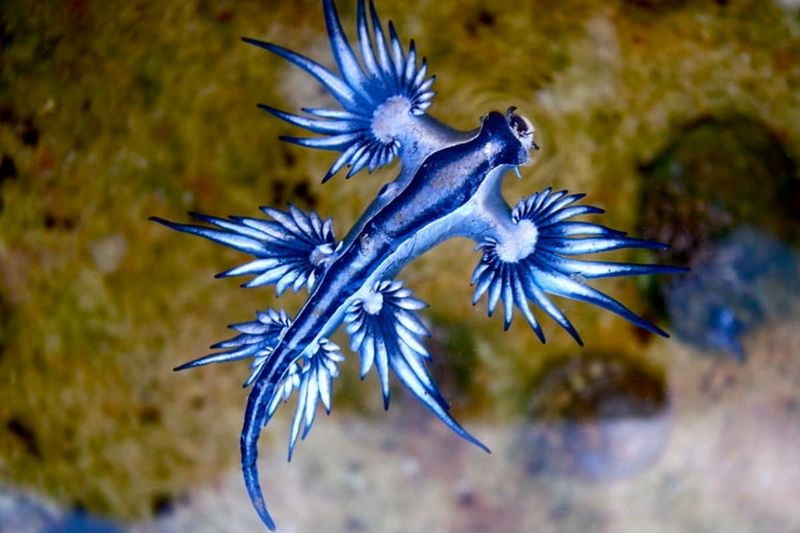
(21, 430)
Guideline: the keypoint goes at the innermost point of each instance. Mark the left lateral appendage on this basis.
(291, 250)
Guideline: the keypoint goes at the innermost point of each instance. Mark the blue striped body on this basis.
(449, 186)
(445, 182)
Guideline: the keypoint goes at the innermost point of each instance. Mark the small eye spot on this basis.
(520, 125)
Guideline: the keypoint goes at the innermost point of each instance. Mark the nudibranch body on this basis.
(449, 186)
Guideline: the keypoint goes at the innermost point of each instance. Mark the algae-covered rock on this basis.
(744, 280)
(601, 416)
(719, 175)
(726, 196)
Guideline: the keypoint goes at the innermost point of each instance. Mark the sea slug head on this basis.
(508, 138)
(522, 128)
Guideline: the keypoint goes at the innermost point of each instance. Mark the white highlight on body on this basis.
(519, 244)
(320, 253)
(389, 117)
(373, 302)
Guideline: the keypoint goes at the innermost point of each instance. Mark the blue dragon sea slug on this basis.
(448, 186)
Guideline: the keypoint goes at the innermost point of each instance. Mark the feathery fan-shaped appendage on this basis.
(312, 381)
(374, 94)
(290, 250)
(256, 340)
(386, 332)
(312, 378)
(533, 264)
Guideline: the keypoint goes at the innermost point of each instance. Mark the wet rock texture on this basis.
(597, 416)
(112, 112)
(726, 195)
(720, 174)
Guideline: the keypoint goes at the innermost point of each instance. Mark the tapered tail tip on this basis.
(264, 515)
(254, 491)
(251, 481)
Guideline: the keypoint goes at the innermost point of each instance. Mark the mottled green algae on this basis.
(146, 108)
(721, 173)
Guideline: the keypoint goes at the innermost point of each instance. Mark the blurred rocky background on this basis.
(680, 117)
